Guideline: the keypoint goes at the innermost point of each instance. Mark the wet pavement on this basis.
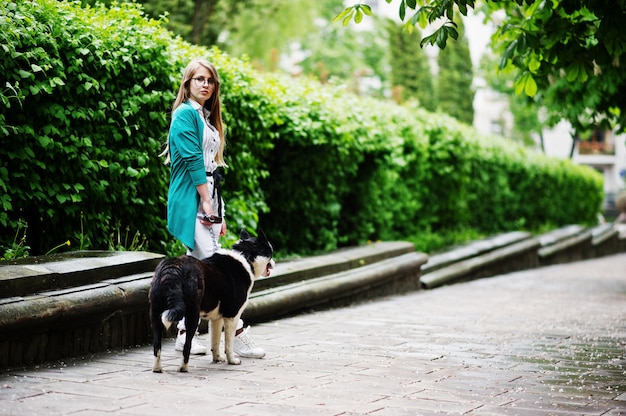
(548, 341)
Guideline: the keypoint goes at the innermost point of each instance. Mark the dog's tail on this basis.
(171, 282)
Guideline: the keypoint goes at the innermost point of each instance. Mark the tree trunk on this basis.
(201, 15)
(571, 152)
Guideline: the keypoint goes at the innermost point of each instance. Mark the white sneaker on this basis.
(196, 347)
(245, 347)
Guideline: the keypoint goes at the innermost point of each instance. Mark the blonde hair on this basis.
(213, 104)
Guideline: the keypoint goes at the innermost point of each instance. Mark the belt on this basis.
(218, 178)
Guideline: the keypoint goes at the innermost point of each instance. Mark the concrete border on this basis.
(113, 313)
(518, 256)
(393, 275)
(78, 268)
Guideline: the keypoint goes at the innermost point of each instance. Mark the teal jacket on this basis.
(187, 171)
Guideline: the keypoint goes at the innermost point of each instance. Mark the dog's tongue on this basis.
(267, 271)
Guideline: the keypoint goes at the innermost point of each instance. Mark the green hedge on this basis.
(86, 110)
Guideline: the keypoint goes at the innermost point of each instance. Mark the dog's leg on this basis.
(156, 367)
(157, 334)
(216, 334)
(191, 325)
(230, 326)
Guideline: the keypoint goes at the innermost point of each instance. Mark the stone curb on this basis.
(46, 273)
(291, 271)
(113, 313)
(473, 249)
(518, 256)
(387, 276)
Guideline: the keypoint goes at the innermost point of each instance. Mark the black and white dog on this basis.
(216, 289)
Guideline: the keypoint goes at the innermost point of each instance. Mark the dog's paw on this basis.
(234, 361)
(156, 366)
(183, 368)
(218, 358)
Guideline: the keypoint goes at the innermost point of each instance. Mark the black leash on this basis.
(218, 178)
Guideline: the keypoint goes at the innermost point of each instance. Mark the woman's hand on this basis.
(207, 210)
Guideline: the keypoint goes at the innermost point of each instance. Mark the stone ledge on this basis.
(113, 312)
(605, 240)
(518, 256)
(78, 268)
(341, 260)
(473, 249)
(74, 306)
(564, 233)
(388, 276)
(573, 243)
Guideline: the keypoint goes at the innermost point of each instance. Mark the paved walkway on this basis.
(550, 341)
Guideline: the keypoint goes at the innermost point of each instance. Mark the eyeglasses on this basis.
(211, 82)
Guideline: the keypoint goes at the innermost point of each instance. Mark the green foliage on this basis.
(17, 248)
(524, 109)
(264, 29)
(87, 97)
(82, 121)
(454, 82)
(346, 55)
(508, 192)
(123, 241)
(567, 53)
(259, 29)
(410, 71)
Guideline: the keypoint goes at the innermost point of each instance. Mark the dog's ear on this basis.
(262, 234)
(244, 235)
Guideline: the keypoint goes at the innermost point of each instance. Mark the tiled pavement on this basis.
(549, 341)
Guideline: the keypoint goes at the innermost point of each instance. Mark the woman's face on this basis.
(201, 85)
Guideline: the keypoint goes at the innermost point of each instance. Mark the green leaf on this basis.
(347, 19)
(358, 16)
(572, 72)
(344, 13)
(44, 141)
(24, 74)
(423, 20)
(452, 32)
(519, 86)
(526, 84)
(442, 37)
(530, 87)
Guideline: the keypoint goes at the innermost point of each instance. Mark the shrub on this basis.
(86, 111)
(82, 120)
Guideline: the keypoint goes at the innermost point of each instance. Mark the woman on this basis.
(195, 150)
